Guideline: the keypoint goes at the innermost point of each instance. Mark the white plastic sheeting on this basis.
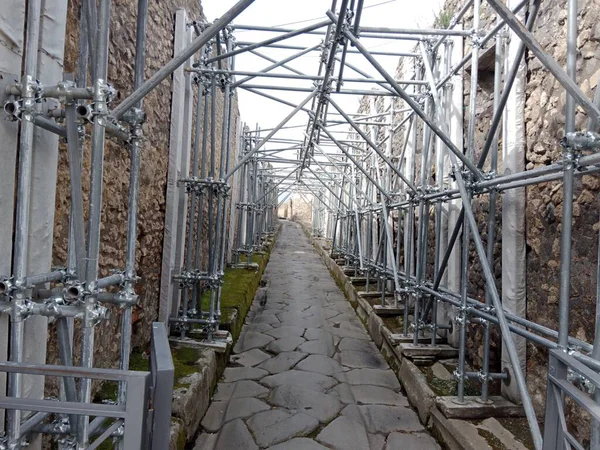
(11, 50)
(179, 167)
(514, 269)
(454, 206)
(44, 174)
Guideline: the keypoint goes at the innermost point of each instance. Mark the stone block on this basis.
(191, 401)
(428, 351)
(420, 395)
(473, 409)
(375, 324)
(388, 311)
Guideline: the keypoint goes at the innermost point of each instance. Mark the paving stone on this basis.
(266, 318)
(377, 442)
(340, 304)
(277, 425)
(250, 340)
(374, 377)
(417, 441)
(274, 305)
(321, 406)
(256, 327)
(350, 333)
(233, 436)
(346, 318)
(305, 322)
(367, 360)
(298, 444)
(285, 331)
(239, 389)
(291, 316)
(220, 413)
(344, 433)
(309, 380)
(343, 393)
(329, 313)
(318, 347)
(316, 334)
(367, 395)
(243, 373)
(353, 325)
(250, 358)
(286, 344)
(318, 310)
(384, 419)
(320, 364)
(283, 361)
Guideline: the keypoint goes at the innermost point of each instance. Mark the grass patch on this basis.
(520, 429)
(443, 18)
(492, 440)
(139, 362)
(237, 292)
(394, 323)
(184, 362)
(446, 388)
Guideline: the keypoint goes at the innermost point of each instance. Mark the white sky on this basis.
(267, 113)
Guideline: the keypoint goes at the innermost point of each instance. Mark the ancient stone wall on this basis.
(544, 121)
(299, 209)
(153, 174)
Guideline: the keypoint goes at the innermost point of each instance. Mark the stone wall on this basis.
(298, 209)
(544, 121)
(153, 174)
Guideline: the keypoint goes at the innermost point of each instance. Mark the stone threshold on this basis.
(459, 427)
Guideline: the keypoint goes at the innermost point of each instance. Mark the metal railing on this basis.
(142, 421)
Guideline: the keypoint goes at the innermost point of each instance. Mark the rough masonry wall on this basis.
(545, 120)
(544, 124)
(155, 148)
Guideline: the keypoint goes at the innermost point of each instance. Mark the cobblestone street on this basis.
(305, 375)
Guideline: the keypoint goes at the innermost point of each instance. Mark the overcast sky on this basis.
(266, 113)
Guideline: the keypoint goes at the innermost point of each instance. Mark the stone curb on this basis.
(456, 434)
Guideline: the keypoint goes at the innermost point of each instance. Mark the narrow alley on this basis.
(305, 374)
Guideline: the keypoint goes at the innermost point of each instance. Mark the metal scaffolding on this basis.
(393, 189)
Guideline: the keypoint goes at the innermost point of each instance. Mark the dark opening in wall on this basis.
(485, 69)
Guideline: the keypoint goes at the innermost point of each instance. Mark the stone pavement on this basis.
(304, 374)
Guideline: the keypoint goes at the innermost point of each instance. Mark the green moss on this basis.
(492, 440)
(394, 323)
(520, 429)
(237, 292)
(184, 361)
(108, 391)
(449, 387)
(443, 18)
(181, 438)
(106, 445)
(139, 362)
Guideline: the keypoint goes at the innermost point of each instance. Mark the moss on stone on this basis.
(139, 362)
(449, 387)
(108, 391)
(238, 290)
(492, 440)
(184, 362)
(519, 427)
(181, 440)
